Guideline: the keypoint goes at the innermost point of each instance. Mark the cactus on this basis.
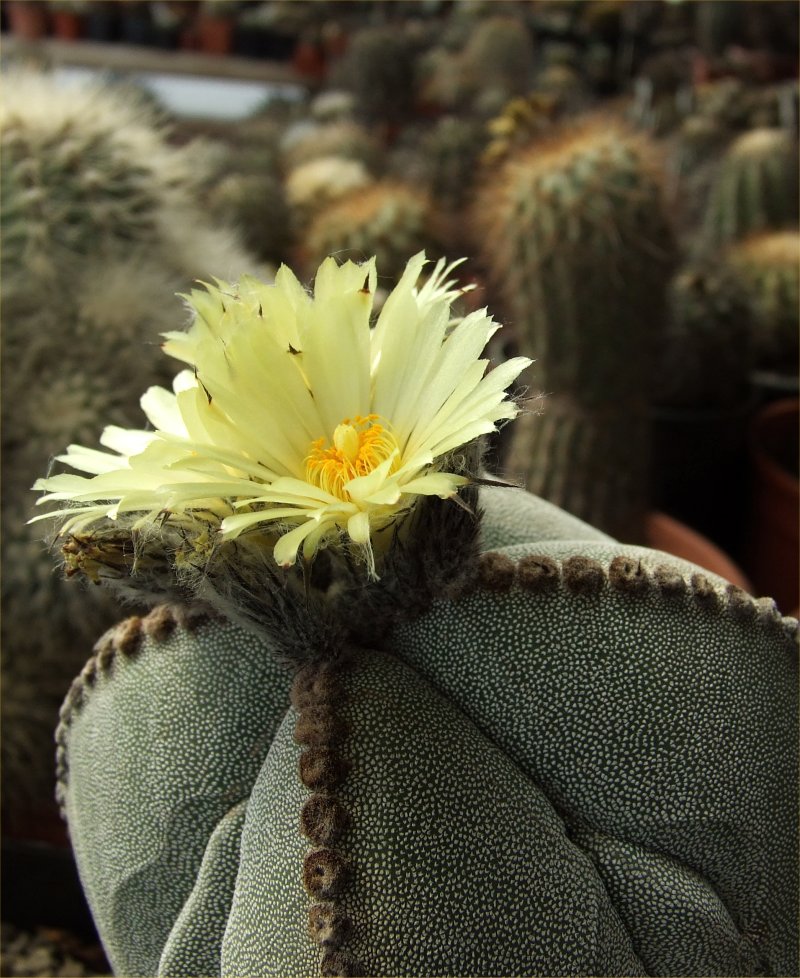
(100, 230)
(316, 184)
(449, 153)
(768, 266)
(346, 139)
(755, 188)
(576, 241)
(378, 69)
(389, 219)
(499, 55)
(708, 323)
(521, 780)
(255, 205)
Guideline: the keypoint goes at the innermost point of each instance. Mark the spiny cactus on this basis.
(345, 138)
(520, 122)
(100, 230)
(316, 184)
(378, 69)
(768, 266)
(498, 55)
(548, 717)
(255, 205)
(708, 323)
(389, 219)
(755, 188)
(576, 240)
(449, 154)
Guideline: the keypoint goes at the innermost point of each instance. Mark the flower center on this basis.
(359, 446)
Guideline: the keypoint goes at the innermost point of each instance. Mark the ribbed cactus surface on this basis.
(755, 188)
(585, 764)
(578, 246)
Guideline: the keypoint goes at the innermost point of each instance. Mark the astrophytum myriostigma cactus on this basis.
(585, 764)
(445, 728)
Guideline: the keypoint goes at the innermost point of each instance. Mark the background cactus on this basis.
(755, 188)
(378, 69)
(708, 323)
(100, 230)
(344, 138)
(389, 220)
(314, 185)
(575, 238)
(768, 266)
(634, 827)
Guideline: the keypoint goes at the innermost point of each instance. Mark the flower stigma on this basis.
(359, 446)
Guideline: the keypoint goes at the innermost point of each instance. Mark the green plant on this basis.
(255, 205)
(344, 138)
(523, 779)
(498, 55)
(378, 69)
(578, 247)
(708, 323)
(314, 185)
(755, 187)
(768, 267)
(449, 153)
(100, 229)
(388, 219)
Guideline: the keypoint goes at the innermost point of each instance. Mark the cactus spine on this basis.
(577, 243)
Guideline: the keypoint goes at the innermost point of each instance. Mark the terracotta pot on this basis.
(215, 34)
(662, 532)
(773, 535)
(28, 20)
(67, 25)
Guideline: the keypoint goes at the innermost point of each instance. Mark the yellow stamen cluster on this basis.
(359, 446)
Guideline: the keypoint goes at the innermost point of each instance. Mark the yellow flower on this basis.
(297, 413)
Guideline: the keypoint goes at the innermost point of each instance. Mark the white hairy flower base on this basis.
(298, 413)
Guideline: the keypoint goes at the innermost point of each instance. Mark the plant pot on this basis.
(214, 34)
(773, 536)
(67, 25)
(28, 21)
(662, 532)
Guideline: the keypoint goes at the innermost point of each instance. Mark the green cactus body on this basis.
(254, 204)
(498, 55)
(585, 764)
(450, 153)
(576, 240)
(345, 138)
(768, 266)
(100, 230)
(378, 68)
(755, 187)
(388, 219)
(708, 323)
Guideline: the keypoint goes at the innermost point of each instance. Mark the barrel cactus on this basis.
(100, 230)
(768, 267)
(378, 732)
(708, 323)
(378, 69)
(755, 188)
(574, 234)
(390, 219)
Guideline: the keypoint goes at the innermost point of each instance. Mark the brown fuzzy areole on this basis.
(315, 684)
(128, 636)
(538, 573)
(627, 574)
(496, 572)
(160, 622)
(704, 592)
(322, 769)
(326, 873)
(328, 925)
(323, 819)
(740, 603)
(669, 581)
(320, 726)
(338, 964)
(582, 575)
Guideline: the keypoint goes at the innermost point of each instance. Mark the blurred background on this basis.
(622, 176)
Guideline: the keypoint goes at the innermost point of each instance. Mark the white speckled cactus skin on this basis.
(586, 764)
